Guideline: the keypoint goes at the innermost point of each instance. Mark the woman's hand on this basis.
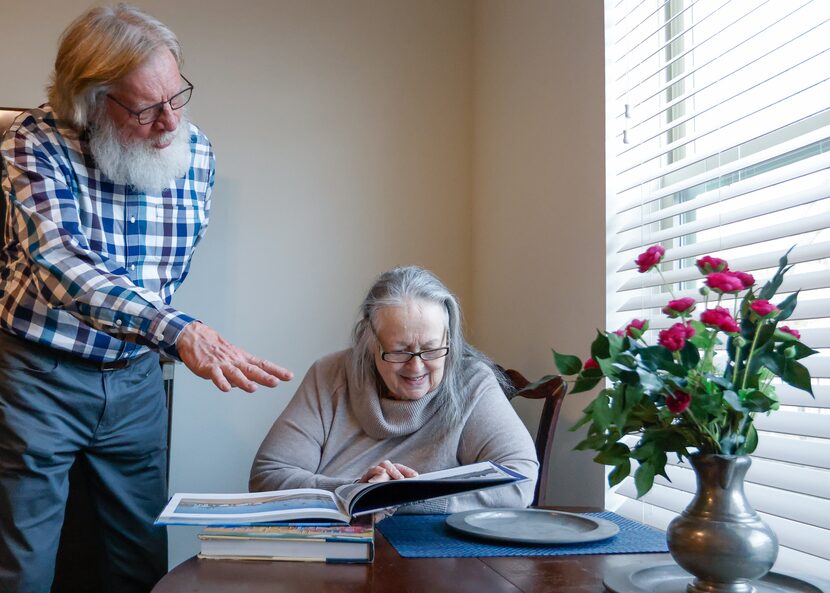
(386, 470)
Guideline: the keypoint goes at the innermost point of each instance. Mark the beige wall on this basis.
(539, 200)
(352, 136)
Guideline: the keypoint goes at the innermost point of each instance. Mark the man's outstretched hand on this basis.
(210, 356)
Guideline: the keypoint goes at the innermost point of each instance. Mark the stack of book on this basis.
(336, 543)
(278, 525)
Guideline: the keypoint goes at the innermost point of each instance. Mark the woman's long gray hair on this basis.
(393, 289)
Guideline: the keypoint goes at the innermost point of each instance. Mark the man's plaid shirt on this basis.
(90, 266)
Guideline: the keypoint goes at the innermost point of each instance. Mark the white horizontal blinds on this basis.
(721, 146)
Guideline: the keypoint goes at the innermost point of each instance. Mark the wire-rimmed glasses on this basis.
(401, 356)
(152, 113)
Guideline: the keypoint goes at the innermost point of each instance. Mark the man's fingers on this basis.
(218, 377)
(269, 367)
(237, 378)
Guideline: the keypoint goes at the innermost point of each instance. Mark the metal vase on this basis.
(719, 538)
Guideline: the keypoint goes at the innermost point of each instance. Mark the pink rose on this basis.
(708, 264)
(724, 282)
(650, 258)
(639, 324)
(762, 307)
(675, 337)
(590, 364)
(720, 318)
(791, 331)
(746, 279)
(679, 306)
(678, 402)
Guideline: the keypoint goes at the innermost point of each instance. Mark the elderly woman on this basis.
(409, 396)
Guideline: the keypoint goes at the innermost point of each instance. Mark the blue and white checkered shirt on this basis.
(90, 266)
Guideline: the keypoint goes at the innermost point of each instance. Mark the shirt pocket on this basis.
(172, 229)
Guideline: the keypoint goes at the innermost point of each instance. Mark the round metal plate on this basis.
(647, 577)
(532, 526)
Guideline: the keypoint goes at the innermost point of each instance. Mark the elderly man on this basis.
(107, 193)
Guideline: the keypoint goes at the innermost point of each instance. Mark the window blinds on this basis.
(719, 131)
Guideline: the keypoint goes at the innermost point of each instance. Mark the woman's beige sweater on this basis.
(330, 434)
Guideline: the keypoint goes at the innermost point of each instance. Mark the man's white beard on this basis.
(138, 162)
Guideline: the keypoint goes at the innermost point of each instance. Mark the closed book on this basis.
(352, 543)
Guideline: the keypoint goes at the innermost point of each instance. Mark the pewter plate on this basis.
(532, 526)
(647, 577)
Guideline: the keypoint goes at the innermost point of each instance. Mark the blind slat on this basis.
(771, 178)
(760, 261)
(728, 216)
(748, 237)
(791, 283)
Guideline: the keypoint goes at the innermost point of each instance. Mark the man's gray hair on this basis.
(99, 48)
(394, 288)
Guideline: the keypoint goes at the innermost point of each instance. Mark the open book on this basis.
(349, 500)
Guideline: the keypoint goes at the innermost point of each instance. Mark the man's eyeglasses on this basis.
(152, 113)
(425, 355)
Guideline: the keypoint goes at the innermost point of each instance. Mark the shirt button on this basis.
(118, 322)
(132, 219)
(132, 266)
(159, 337)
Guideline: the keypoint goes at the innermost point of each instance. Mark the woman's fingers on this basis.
(407, 472)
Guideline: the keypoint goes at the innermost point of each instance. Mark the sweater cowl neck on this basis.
(383, 417)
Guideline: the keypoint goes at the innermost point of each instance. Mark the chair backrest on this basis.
(7, 115)
(553, 391)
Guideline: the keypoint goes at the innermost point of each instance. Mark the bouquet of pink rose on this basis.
(674, 395)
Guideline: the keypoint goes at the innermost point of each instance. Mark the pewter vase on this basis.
(719, 538)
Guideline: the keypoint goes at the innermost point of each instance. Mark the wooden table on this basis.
(392, 574)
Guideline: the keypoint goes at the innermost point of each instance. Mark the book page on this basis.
(363, 498)
(243, 509)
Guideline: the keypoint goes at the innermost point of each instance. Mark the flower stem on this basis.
(663, 278)
(751, 352)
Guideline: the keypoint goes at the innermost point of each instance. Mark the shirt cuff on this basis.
(166, 329)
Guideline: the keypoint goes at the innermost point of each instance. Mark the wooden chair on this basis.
(553, 391)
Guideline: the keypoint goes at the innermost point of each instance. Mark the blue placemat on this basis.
(427, 536)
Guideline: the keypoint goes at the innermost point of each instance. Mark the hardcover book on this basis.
(347, 501)
(352, 543)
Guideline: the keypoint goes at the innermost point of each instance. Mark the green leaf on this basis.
(733, 400)
(801, 350)
(655, 357)
(600, 347)
(772, 285)
(615, 454)
(619, 473)
(751, 440)
(650, 382)
(601, 411)
(537, 383)
(567, 364)
(644, 478)
(757, 401)
(585, 383)
(689, 355)
(615, 344)
(607, 367)
(797, 375)
(787, 306)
